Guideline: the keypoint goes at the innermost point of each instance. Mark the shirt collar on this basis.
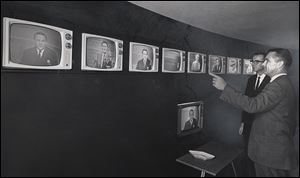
(261, 76)
(276, 76)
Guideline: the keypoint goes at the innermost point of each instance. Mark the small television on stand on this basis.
(190, 118)
(31, 45)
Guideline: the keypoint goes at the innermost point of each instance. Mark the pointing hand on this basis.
(218, 82)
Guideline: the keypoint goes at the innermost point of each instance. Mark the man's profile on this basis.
(40, 55)
(145, 62)
(191, 122)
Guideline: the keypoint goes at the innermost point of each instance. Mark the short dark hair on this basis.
(39, 33)
(283, 55)
(258, 53)
(104, 42)
(145, 50)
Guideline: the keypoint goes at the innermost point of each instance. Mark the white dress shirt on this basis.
(276, 76)
(262, 76)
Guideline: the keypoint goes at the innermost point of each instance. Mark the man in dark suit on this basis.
(40, 55)
(106, 58)
(255, 85)
(217, 67)
(145, 62)
(271, 144)
(191, 122)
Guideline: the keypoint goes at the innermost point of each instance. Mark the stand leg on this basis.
(234, 171)
(202, 173)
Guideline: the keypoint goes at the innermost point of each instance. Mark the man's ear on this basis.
(280, 64)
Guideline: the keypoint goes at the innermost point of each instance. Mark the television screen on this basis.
(217, 64)
(247, 67)
(190, 118)
(143, 57)
(234, 65)
(33, 45)
(173, 61)
(101, 53)
(196, 62)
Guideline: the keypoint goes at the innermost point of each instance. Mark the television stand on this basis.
(224, 155)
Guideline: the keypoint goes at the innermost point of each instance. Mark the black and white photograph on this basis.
(247, 67)
(196, 62)
(143, 57)
(153, 89)
(173, 60)
(36, 46)
(217, 64)
(101, 53)
(234, 65)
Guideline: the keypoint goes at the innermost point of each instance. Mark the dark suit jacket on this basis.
(188, 124)
(217, 68)
(247, 118)
(30, 57)
(271, 137)
(142, 66)
(107, 64)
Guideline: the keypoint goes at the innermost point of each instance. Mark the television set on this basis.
(143, 57)
(31, 45)
(100, 53)
(196, 62)
(234, 65)
(190, 118)
(247, 67)
(173, 60)
(217, 64)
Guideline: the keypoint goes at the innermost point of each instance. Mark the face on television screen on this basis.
(234, 65)
(101, 53)
(196, 62)
(143, 57)
(247, 67)
(190, 118)
(173, 61)
(217, 64)
(36, 46)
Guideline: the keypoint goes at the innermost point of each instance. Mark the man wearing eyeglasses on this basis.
(271, 146)
(255, 85)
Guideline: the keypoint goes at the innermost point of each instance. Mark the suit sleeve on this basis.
(245, 115)
(248, 87)
(267, 99)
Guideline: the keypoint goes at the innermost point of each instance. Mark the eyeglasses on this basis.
(253, 61)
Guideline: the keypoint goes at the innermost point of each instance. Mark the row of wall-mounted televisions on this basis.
(30, 45)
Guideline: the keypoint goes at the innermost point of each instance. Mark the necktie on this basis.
(257, 83)
(40, 53)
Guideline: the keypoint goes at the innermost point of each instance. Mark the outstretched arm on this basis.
(268, 98)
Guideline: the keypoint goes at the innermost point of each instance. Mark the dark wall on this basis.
(80, 123)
